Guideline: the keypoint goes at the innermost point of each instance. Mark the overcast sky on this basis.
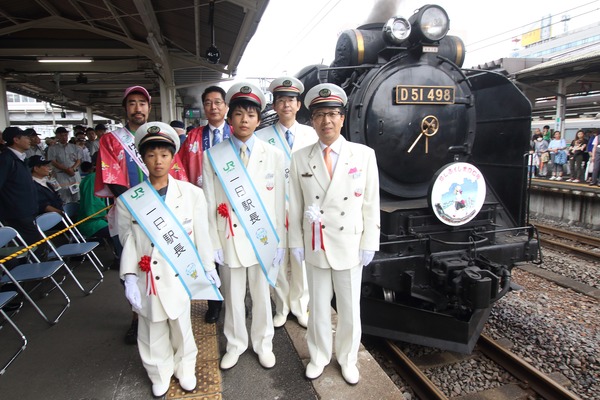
(293, 34)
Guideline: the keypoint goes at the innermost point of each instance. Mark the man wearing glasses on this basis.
(334, 227)
(291, 293)
(198, 140)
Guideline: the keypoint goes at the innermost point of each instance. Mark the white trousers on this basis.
(167, 347)
(234, 293)
(291, 292)
(322, 283)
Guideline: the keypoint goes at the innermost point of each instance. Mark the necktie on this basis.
(243, 155)
(216, 137)
(327, 158)
(289, 136)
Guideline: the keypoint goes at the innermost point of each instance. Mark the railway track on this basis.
(529, 377)
(572, 242)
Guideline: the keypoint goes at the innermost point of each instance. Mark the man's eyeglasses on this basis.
(329, 114)
(216, 103)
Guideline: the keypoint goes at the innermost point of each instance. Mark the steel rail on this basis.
(417, 380)
(577, 237)
(548, 388)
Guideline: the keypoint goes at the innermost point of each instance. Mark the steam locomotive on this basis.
(450, 147)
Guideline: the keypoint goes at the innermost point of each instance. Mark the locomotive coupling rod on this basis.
(417, 380)
(536, 379)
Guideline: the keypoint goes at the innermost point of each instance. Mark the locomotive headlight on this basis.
(396, 30)
(432, 23)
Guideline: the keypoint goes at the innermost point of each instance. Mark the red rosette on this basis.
(145, 263)
(223, 211)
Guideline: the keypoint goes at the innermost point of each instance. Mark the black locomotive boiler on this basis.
(449, 145)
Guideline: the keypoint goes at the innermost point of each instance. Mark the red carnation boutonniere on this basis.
(145, 266)
(223, 211)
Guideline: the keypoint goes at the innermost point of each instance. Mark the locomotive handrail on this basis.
(470, 242)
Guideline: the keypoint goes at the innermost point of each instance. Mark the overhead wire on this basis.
(528, 25)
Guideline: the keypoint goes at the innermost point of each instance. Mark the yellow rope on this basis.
(19, 252)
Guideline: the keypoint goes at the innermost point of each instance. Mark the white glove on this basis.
(213, 277)
(278, 260)
(366, 256)
(132, 291)
(298, 253)
(219, 259)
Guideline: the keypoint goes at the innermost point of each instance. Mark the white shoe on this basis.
(188, 383)
(351, 374)
(313, 371)
(279, 320)
(229, 360)
(553, 178)
(159, 390)
(559, 178)
(267, 360)
(302, 320)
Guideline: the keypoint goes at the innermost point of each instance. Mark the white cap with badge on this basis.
(286, 86)
(156, 132)
(325, 95)
(246, 91)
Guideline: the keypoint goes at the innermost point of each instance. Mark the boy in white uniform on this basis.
(165, 339)
(244, 183)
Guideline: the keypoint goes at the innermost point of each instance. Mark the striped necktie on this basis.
(217, 137)
(289, 136)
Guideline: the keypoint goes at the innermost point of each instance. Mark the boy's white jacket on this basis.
(188, 204)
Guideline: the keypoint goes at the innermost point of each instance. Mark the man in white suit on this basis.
(244, 185)
(165, 338)
(334, 226)
(289, 136)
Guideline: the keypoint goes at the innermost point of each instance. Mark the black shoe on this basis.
(131, 335)
(212, 315)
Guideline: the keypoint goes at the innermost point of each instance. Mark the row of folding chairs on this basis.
(62, 259)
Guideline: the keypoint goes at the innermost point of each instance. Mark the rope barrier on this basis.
(31, 246)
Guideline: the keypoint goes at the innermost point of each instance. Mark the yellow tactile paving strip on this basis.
(207, 363)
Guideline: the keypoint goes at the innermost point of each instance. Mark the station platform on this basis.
(571, 202)
(84, 356)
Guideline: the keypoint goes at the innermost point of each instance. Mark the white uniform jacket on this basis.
(349, 204)
(189, 206)
(265, 168)
(304, 135)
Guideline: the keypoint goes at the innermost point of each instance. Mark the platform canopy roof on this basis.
(131, 42)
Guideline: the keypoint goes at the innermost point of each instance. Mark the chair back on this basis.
(48, 220)
(71, 211)
(7, 234)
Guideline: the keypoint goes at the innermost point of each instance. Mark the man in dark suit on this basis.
(48, 198)
(18, 195)
(192, 150)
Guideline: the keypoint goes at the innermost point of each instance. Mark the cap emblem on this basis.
(287, 83)
(153, 129)
(246, 89)
(324, 92)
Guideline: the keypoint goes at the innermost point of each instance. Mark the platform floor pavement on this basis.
(84, 357)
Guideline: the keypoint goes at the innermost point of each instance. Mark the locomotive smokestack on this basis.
(382, 11)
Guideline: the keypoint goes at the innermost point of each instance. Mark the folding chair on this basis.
(71, 212)
(5, 298)
(35, 272)
(78, 248)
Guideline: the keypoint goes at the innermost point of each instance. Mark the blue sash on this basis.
(147, 206)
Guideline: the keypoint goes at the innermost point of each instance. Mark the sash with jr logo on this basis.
(247, 204)
(273, 137)
(170, 238)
